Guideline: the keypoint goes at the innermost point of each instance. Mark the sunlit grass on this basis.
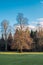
(21, 53)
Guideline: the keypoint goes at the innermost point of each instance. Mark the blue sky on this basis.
(32, 9)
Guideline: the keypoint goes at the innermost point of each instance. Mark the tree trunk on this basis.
(21, 49)
(5, 41)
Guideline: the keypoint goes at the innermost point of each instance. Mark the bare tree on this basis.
(4, 25)
(21, 20)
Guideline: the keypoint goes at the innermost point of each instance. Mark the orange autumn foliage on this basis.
(22, 40)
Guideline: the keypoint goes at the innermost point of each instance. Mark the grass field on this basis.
(21, 58)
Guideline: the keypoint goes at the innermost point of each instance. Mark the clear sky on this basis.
(32, 9)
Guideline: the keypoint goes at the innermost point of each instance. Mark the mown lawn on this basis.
(21, 59)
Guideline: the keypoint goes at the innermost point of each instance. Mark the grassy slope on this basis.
(21, 59)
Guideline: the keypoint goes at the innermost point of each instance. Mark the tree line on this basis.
(23, 39)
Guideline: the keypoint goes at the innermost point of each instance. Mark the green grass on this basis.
(21, 59)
